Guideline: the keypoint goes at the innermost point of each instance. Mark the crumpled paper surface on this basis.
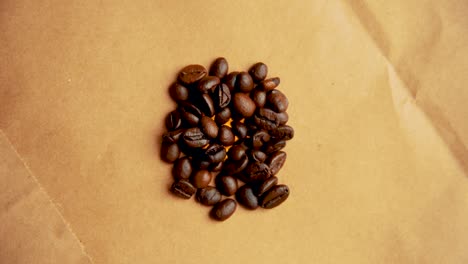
(378, 168)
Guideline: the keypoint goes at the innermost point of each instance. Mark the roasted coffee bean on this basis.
(183, 189)
(283, 118)
(284, 132)
(246, 197)
(275, 196)
(230, 80)
(266, 185)
(219, 68)
(190, 113)
(209, 127)
(276, 161)
(226, 184)
(273, 147)
(266, 118)
(182, 168)
(243, 105)
(225, 136)
(260, 138)
(208, 83)
(178, 92)
(192, 73)
(208, 196)
(236, 152)
(170, 152)
(232, 167)
(255, 171)
(223, 116)
(215, 153)
(194, 138)
(250, 123)
(239, 129)
(277, 101)
(258, 156)
(203, 164)
(221, 96)
(259, 97)
(216, 167)
(224, 209)
(173, 136)
(201, 178)
(269, 84)
(244, 82)
(173, 120)
(206, 105)
(258, 71)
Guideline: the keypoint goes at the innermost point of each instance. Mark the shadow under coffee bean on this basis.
(228, 128)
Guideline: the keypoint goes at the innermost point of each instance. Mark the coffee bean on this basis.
(243, 104)
(178, 92)
(273, 147)
(277, 101)
(275, 196)
(183, 189)
(255, 171)
(223, 116)
(203, 164)
(170, 152)
(216, 167)
(173, 136)
(219, 68)
(225, 136)
(192, 73)
(284, 132)
(246, 197)
(209, 127)
(260, 138)
(283, 117)
(208, 83)
(215, 153)
(258, 156)
(266, 118)
(201, 178)
(173, 120)
(208, 195)
(236, 152)
(224, 209)
(244, 82)
(226, 184)
(230, 80)
(269, 84)
(232, 167)
(182, 168)
(195, 138)
(190, 113)
(259, 97)
(266, 185)
(276, 161)
(206, 104)
(239, 129)
(221, 96)
(258, 71)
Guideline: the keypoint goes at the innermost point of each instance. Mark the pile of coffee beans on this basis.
(228, 129)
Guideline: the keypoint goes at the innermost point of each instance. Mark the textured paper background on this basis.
(378, 168)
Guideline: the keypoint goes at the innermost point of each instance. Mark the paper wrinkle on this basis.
(41, 189)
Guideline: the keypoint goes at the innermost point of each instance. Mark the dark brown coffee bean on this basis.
(259, 97)
(215, 153)
(206, 105)
(173, 136)
(203, 164)
(260, 138)
(250, 123)
(277, 101)
(216, 167)
(266, 118)
(224, 209)
(182, 168)
(208, 196)
(223, 116)
(275, 196)
(243, 104)
(208, 83)
(232, 167)
(225, 136)
(194, 138)
(209, 127)
(258, 156)
(239, 129)
(192, 73)
(284, 132)
(273, 147)
(173, 120)
(244, 82)
(170, 152)
(226, 184)
(183, 189)
(246, 197)
(221, 96)
(283, 118)
(230, 80)
(236, 152)
(178, 92)
(258, 71)
(201, 178)
(256, 171)
(219, 68)
(190, 113)
(276, 161)
(266, 185)
(269, 84)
